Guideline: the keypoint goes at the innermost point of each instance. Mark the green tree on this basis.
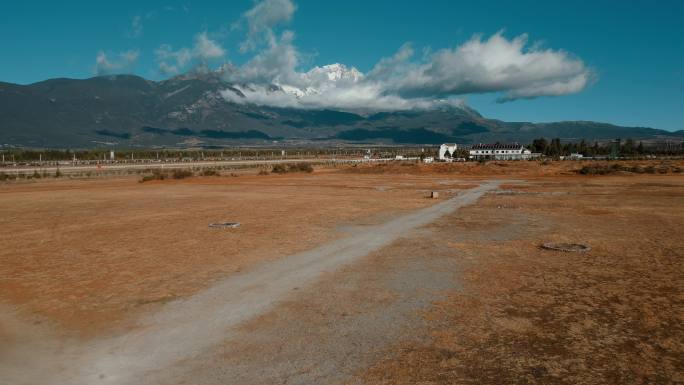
(554, 149)
(539, 145)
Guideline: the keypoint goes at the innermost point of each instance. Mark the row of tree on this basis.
(618, 147)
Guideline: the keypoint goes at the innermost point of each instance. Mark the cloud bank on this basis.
(510, 67)
(262, 18)
(273, 75)
(121, 62)
(492, 65)
(172, 62)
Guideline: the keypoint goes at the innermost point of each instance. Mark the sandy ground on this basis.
(527, 315)
(207, 318)
(468, 298)
(87, 254)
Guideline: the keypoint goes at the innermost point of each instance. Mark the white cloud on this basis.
(275, 64)
(360, 98)
(136, 28)
(262, 18)
(171, 62)
(495, 65)
(121, 62)
(206, 49)
(477, 66)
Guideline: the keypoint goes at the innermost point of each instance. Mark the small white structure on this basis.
(446, 152)
(499, 151)
(428, 159)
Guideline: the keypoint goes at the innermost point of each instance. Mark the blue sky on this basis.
(634, 50)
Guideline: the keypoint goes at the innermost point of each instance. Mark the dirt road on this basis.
(186, 328)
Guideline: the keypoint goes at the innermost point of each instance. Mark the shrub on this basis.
(58, 174)
(36, 175)
(263, 172)
(603, 169)
(4, 177)
(280, 169)
(210, 172)
(156, 175)
(181, 174)
(304, 167)
(293, 167)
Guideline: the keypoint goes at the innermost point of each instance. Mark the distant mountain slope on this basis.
(189, 110)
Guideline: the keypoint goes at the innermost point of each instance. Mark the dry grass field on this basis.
(469, 298)
(89, 253)
(528, 315)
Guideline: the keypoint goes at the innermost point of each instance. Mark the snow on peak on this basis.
(335, 72)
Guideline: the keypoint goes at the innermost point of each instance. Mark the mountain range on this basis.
(193, 110)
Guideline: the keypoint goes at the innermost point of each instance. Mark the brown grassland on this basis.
(88, 256)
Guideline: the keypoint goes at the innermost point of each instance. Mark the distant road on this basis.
(70, 169)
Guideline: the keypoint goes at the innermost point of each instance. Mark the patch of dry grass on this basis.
(526, 315)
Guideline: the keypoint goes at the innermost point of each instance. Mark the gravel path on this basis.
(186, 328)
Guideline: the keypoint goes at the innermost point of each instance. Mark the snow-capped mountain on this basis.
(316, 81)
(336, 72)
(321, 79)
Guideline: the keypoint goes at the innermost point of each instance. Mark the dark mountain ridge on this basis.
(190, 110)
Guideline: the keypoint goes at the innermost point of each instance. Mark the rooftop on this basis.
(497, 146)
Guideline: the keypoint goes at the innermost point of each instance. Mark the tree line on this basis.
(629, 147)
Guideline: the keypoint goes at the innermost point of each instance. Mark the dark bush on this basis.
(304, 167)
(210, 172)
(156, 175)
(293, 167)
(181, 174)
(280, 169)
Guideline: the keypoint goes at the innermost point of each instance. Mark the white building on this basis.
(500, 152)
(447, 148)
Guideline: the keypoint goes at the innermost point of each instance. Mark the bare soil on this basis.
(90, 254)
(470, 298)
(529, 315)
